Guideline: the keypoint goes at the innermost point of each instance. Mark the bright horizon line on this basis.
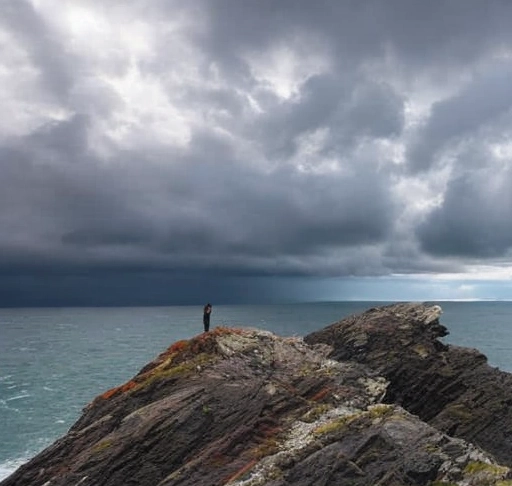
(258, 304)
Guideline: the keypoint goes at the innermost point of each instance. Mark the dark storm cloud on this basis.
(220, 214)
(474, 219)
(350, 112)
(453, 120)
(259, 138)
(424, 34)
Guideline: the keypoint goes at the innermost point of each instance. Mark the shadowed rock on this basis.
(452, 388)
(247, 408)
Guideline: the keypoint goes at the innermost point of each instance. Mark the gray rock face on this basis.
(247, 408)
(451, 388)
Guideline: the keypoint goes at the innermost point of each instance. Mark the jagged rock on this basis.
(247, 408)
(451, 388)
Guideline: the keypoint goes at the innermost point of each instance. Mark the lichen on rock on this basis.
(346, 405)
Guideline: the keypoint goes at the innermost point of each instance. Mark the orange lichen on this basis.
(207, 341)
(177, 353)
(222, 331)
(320, 395)
(185, 349)
(219, 460)
(242, 471)
(267, 431)
(177, 347)
(266, 448)
(109, 393)
(129, 385)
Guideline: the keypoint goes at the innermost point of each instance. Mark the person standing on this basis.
(207, 311)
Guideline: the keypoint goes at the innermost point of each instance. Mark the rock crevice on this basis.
(375, 399)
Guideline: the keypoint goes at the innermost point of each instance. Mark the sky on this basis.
(166, 152)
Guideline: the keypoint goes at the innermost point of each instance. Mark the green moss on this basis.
(373, 412)
(275, 474)
(101, 446)
(334, 425)
(432, 448)
(421, 350)
(169, 371)
(305, 370)
(479, 472)
(476, 467)
(459, 412)
(380, 410)
(329, 427)
(316, 412)
(268, 447)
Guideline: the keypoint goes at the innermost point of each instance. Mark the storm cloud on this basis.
(159, 152)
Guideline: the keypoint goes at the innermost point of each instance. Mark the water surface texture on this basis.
(53, 362)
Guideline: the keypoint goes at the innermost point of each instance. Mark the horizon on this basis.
(269, 304)
(163, 152)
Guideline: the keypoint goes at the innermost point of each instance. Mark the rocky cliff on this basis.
(375, 399)
(451, 388)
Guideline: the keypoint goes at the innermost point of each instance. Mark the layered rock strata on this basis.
(452, 388)
(243, 407)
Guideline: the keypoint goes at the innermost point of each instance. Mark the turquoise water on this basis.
(53, 362)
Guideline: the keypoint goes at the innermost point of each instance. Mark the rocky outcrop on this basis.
(244, 407)
(452, 388)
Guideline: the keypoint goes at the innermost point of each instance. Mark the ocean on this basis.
(54, 361)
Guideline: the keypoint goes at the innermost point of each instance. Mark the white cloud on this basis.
(318, 139)
(285, 67)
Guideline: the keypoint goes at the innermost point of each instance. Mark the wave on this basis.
(17, 397)
(10, 465)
